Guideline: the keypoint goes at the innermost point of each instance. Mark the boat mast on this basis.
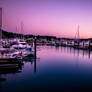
(17, 33)
(77, 35)
(0, 23)
(22, 30)
(78, 32)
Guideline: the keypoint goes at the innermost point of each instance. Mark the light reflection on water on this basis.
(56, 68)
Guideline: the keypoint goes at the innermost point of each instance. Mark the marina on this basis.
(19, 49)
(11, 56)
(45, 46)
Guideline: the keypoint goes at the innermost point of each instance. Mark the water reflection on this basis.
(4, 72)
(31, 60)
(59, 68)
(76, 51)
(35, 65)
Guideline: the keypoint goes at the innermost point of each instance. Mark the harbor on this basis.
(15, 50)
(45, 46)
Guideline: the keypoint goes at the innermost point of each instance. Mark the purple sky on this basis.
(48, 17)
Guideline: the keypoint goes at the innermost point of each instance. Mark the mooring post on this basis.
(83, 45)
(35, 46)
(35, 54)
(89, 44)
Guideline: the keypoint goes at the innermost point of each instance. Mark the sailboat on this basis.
(77, 38)
(81, 44)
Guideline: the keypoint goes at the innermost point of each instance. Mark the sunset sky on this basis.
(48, 17)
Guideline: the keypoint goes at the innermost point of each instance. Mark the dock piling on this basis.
(35, 54)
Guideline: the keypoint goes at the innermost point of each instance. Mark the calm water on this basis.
(56, 69)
